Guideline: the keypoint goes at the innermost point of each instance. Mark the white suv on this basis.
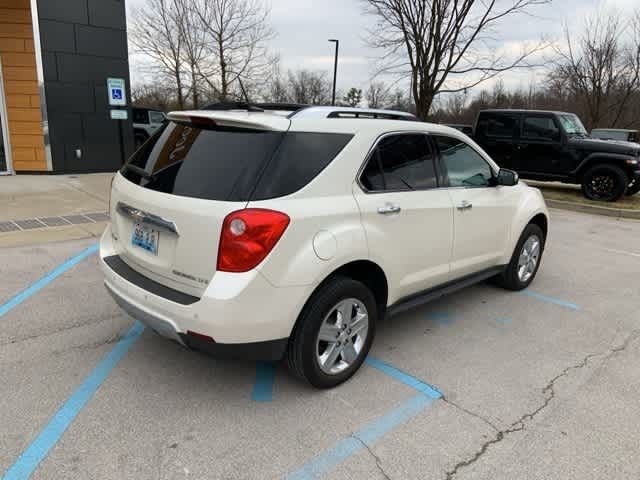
(265, 235)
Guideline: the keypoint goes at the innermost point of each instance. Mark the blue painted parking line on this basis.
(546, 298)
(422, 387)
(44, 281)
(265, 377)
(368, 435)
(504, 320)
(441, 318)
(49, 436)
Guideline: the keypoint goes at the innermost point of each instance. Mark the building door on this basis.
(5, 150)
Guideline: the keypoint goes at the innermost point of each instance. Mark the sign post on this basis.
(117, 92)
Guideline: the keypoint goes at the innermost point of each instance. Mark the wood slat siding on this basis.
(21, 86)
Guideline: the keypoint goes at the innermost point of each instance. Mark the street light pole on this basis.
(335, 69)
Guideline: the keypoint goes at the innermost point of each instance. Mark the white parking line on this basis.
(622, 252)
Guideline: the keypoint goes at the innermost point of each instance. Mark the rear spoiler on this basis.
(235, 119)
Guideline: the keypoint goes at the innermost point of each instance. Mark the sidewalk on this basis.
(29, 203)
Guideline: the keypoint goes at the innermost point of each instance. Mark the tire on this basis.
(305, 349)
(604, 182)
(633, 188)
(511, 279)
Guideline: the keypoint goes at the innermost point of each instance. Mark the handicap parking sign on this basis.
(116, 90)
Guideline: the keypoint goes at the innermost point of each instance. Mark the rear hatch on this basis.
(169, 202)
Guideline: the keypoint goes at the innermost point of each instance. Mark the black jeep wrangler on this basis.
(543, 145)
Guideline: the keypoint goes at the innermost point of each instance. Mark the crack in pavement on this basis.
(548, 391)
(66, 328)
(113, 339)
(375, 457)
(469, 412)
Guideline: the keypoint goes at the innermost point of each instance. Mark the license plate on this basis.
(145, 238)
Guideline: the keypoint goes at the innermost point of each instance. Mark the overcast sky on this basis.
(303, 27)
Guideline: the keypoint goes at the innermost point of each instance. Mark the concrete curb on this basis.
(606, 211)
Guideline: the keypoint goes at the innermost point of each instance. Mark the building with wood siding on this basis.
(55, 58)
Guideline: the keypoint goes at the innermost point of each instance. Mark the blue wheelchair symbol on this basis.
(116, 93)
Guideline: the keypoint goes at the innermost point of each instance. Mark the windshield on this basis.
(572, 125)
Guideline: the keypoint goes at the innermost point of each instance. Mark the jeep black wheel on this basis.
(633, 188)
(604, 182)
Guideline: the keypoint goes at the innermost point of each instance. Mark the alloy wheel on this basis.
(529, 257)
(342, 336)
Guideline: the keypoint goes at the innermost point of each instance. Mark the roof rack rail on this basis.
(356, 113)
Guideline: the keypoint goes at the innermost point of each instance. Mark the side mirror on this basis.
(507, 178)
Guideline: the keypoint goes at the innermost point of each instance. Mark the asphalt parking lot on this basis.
(484, 384)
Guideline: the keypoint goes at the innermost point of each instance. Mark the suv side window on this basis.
(499, 125)
(465, 166)
(540, 128)
(156, 117)
(401, 162)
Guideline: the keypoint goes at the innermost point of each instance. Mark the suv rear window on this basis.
(231, 164)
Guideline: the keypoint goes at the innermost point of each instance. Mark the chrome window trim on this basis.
(35, 21)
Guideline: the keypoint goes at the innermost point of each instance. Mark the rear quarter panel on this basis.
(327, 227)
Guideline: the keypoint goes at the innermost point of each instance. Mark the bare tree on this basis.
(601, 68)
(444, 45)
(154, 95)
(277, 90)
(309, 87)
(154, 33)
(236, 33)
(377, 95)
(400, 101)
(192, 37)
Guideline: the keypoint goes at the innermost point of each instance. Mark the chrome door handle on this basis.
(388, 209)
(465, 205)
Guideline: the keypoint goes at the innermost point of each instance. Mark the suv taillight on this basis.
(247, 238)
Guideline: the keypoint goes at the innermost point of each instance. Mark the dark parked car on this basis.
(543, 145)
(145, 122)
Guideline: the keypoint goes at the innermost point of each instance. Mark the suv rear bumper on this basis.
(243, 315)
(270, 350)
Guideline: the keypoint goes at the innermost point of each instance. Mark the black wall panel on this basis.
(83, 43)
(103, 42)
(57, 36)
(107, 14)
(70, 11)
